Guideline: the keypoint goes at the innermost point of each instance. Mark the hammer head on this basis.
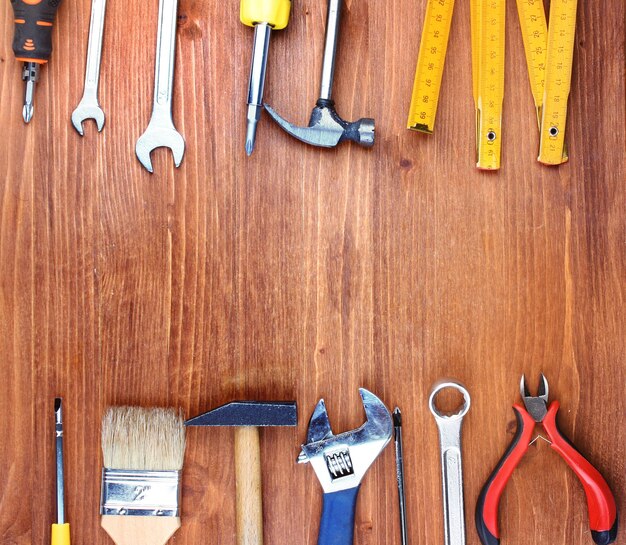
(249, 413)
(326, 129)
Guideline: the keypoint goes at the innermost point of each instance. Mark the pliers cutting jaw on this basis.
(600, 501)
(537, 406)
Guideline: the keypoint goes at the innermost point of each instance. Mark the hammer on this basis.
(326, 129)
(247, 417)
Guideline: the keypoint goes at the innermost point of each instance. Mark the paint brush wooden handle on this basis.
(133, 530)
(248, 480)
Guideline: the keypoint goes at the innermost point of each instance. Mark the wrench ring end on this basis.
(443, 385)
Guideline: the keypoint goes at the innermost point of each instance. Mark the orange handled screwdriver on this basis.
(32, 42)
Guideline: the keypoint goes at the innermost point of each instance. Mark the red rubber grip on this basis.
(600, 500)
(489, 499)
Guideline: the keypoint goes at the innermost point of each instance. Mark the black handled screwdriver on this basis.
(397, 425)
(32, 42)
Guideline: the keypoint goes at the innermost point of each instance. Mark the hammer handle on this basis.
(333, 20)
(248, 481)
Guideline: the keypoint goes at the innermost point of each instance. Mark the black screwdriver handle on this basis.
(32, 40)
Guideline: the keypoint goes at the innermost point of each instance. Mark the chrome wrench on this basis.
(89, 107)
(451, 461)
(340, 463)
(161, 131)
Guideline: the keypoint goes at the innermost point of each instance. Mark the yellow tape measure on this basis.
(559, 60)
(535, 35)
(430, 62)
(474, 23)
(487, 71)
(490, 58)
(532, 18)
(549, 52)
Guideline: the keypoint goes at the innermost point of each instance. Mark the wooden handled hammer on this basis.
(247, 417)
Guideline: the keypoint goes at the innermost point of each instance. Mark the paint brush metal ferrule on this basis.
(140, 492)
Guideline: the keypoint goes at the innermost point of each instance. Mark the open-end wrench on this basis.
(340, 462)
(161, 131)
(451, 462)
(89, 107)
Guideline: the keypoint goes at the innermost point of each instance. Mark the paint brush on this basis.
(141, 481)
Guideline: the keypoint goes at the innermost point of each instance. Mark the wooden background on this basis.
(302, 273)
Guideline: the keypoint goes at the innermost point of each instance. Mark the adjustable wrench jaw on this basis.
(341, 461)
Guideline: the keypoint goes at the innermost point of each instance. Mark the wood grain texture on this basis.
(248, 486)
(140, 530)
(303, 273)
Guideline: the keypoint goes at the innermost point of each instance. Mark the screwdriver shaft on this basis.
(58, 425)
(30, 75)
(262, 32)
(397, 423)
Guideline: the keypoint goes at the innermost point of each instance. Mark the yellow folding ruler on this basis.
(487, 60)
(488, 37)
(549, 53)
(430, 62)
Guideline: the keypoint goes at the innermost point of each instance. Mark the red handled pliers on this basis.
(600, 500)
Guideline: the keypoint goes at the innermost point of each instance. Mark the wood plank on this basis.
(302, 273)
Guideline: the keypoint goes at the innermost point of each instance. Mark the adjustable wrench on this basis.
(161, 131)
(340, 462)
(451, 462)
(89, 107)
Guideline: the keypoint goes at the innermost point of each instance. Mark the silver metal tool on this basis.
(60, 531)
(397, 425)
(326, 129)
(341, 461)
(58, 429)
(30, 75)
(161, 131)
(256, 82)
(451, 461)
(89, 107)
(119, 494)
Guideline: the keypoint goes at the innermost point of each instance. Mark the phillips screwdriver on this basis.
(61, 530)
(32, 42)
(263, 15)
(397, 426)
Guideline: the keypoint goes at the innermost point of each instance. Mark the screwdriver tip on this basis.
(397, 417)
(27, 112)
(250, 136)
(30, 75)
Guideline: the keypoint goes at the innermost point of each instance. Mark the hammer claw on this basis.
(315, 134)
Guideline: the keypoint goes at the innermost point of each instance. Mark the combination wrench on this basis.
(89, 107)
(451, 461)
(161, 131)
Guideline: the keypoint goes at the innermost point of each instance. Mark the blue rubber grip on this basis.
(337, 525)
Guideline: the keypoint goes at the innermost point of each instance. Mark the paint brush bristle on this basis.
(143, 438)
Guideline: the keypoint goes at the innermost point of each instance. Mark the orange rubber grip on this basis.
(34, 19)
